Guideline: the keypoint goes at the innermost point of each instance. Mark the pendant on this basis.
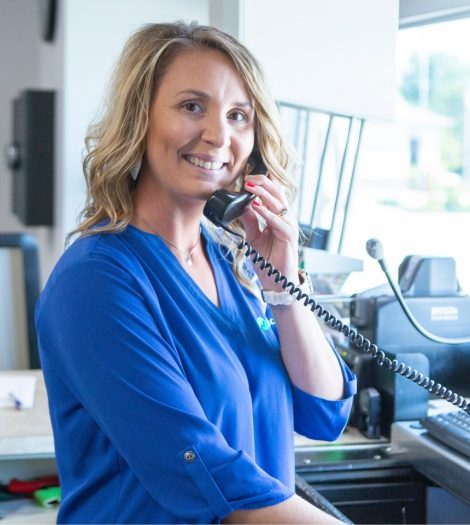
(188, 260)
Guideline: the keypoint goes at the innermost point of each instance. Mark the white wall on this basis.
(336, 55)
(89, 36)
(21, 54)
(95, 34)
(18, 68)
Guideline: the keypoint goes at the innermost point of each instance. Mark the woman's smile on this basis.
(205, 162)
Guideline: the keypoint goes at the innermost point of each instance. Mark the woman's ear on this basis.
(134, 171)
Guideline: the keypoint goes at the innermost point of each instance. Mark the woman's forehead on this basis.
(200, 69)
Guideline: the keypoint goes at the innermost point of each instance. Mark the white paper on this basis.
(17, 387)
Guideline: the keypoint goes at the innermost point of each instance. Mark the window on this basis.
(413, 182)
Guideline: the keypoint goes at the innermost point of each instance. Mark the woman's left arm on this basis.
(309, 359)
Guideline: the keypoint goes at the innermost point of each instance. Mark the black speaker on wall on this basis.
(31, 157)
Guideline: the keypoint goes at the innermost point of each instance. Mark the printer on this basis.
(430, 288)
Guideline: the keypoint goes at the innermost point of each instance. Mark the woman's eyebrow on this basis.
(203, 95)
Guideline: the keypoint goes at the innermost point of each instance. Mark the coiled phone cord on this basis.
(355, 338)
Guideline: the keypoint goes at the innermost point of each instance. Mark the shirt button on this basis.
(189, 456)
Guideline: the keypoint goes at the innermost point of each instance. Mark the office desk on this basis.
(370, 481)
(441, 464)
(26, 451)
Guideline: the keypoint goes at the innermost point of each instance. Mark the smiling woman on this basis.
(171, 402)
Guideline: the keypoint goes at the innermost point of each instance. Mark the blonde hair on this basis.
(116, 143)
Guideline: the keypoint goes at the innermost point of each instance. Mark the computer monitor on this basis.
(19, 290)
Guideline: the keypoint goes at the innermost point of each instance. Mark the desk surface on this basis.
(27, 432)
(446, 467)
(350, 436)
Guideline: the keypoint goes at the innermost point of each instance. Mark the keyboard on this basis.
(451, 428)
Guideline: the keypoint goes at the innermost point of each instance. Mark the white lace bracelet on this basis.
(285, 298)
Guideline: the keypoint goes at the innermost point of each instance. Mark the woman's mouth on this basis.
(206, 164)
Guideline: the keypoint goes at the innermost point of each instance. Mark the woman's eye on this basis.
(192, 107)
(238, 116)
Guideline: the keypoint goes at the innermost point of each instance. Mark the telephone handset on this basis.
(225, 206)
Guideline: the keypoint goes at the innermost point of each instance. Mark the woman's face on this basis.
(201, 129)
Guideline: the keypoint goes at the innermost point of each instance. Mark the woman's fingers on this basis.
(268, 191)
(279, 221)
(250, 223)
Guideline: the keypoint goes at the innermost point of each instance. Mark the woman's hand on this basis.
(278, 240)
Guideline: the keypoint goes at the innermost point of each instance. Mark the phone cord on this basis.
(355, 338)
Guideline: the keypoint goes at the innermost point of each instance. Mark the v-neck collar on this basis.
(225, 310)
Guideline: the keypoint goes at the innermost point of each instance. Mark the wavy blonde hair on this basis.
(116, 142)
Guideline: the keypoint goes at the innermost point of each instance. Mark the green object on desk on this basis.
(47, 497)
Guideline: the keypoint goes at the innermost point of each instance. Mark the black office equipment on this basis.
(402, 400)
(378, 315)
(370, 413)
(451, 428)
(224, 206)
(422, 280)
(27, 246)
(30, 157)
(431, 291)
(428, 276)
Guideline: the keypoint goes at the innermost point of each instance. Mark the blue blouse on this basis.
(166, 408)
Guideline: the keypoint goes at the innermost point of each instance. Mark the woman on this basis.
(174, 392)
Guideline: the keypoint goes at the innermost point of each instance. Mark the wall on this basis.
(18, 68)
(22, 56)
(337, 55)
(77, 64)
(89, 58)
(345, 64)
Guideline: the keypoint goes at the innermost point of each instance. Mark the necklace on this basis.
(188, 256)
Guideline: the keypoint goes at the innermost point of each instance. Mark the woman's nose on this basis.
(216, 131)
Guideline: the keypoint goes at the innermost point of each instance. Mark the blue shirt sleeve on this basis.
(324, 419)
(103, 339)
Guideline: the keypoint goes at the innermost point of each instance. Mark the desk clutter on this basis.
(45, 491)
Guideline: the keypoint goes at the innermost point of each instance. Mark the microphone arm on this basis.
(375, 250)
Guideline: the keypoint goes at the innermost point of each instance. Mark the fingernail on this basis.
(250, 184)
(256, 203)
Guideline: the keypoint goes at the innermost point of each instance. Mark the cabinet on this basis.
(368, 481)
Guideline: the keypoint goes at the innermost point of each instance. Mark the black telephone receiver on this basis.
(225, 206)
